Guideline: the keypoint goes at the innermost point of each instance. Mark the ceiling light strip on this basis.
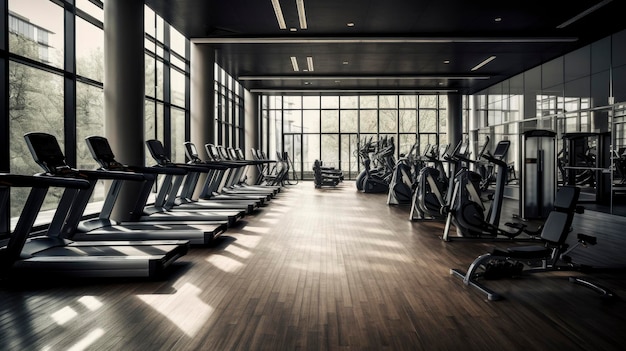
(486, 61)
(339, 90)
(309, 63)
(301, 14)
(278, 11)
(307, 77)
(294, 63)
(583, 14)
(379, 40)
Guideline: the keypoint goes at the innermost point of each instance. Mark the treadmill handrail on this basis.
(38, 181)
(39, 188)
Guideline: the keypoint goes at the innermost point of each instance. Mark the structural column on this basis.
(251, 132)
(455, 118)
(202, 99)
(124, 90)
(202, 96)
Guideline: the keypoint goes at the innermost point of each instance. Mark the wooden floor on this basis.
(318, 269)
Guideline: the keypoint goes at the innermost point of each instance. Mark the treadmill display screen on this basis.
(101, 148)
(46, 150)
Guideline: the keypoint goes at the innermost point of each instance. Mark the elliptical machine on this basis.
(401, 185)
(376, 180)
(466, 210)
(431, 194)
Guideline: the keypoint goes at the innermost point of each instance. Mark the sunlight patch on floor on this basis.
(90, 302)
(249, 242)
(88, 340)
(256, 230)
(183, 308)
(238, 251)
(226, 264)
(64, 315)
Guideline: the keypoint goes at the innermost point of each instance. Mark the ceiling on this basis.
(393, 45)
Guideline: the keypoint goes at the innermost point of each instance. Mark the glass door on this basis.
(349, 158)
(292, 145)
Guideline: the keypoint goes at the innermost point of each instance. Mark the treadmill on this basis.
(50, 254)
(234, 179)
(103, 228)
(165, 208)
(238, 156)
(265, 176)
(186, 196)
(219, 186)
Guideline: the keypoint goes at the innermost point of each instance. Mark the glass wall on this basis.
(41, 80)
(580, 96)
(330, 128)
(229, 110)
(63, 95)
(167, 81)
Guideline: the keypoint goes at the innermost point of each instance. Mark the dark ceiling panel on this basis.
(254, 20)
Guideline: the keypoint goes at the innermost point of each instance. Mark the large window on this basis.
(167, 76)
(229, 110)
(36, 88)
(35, 105)
(48, 93)
(329, 128)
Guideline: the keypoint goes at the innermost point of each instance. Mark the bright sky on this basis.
(42, 13)
(50, 16)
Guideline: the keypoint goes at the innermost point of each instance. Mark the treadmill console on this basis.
(101, 151)
(223, 153)
(46, 152)
(240, 154)
(158, 152)
(192, 152)
(212, 151)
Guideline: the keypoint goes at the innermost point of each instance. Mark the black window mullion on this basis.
(187, 92)
(5, 164)
(69, 83)
(167, 107)
(5, 136)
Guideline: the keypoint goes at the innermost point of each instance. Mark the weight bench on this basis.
(516, 260)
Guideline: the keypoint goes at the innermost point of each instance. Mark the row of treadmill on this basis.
(468, 193)
(158, 230)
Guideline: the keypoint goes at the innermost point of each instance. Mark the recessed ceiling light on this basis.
(345, 62)
(307, 83)
(350, 24)
(292, 29)
(486, 61)
(309, 63)
(583, 14)
(301, 14)
(294, 63)
(498, 19)
(279, 14)
(337, 81)
(446, 62)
